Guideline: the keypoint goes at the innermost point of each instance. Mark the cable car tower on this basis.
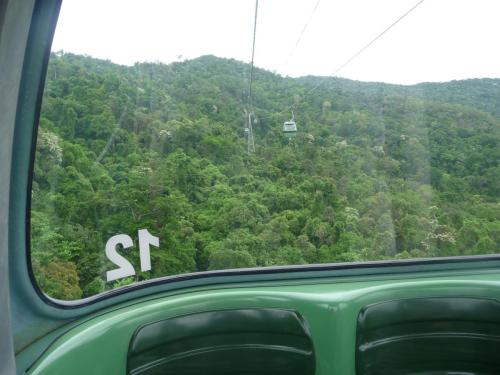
(249, 131)
(249, 113)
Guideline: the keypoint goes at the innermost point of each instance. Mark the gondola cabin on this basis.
(289, 129)
(101, 269)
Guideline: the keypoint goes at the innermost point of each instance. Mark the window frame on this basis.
(29, 104)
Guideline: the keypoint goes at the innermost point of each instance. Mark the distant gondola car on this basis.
(290, 127)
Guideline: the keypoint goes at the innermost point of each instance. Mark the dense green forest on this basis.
(375, 172)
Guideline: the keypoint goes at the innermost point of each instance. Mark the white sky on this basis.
(440, 41)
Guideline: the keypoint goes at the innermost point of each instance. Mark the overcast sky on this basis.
(440, 41)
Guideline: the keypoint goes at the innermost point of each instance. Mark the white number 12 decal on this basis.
(125, 268)
(146, 239)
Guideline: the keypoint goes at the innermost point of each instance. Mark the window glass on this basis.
(365, 131)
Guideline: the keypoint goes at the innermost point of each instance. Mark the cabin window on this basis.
(161, 152)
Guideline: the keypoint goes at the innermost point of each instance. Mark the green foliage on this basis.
(58, 280)
(375, 172)
(227, 259)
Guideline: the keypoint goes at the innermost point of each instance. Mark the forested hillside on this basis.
(375, 172)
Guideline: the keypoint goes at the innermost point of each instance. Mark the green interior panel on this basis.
(100, 344)
(429, 336)
(254, 341)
